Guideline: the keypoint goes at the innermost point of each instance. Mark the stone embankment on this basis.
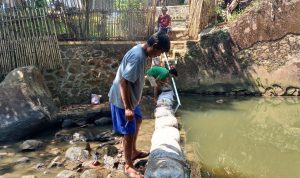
(256, 54)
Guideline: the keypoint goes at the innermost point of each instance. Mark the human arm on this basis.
(125, 95)
(156, 89)
(155, 92)
(168, 21)
(158, 20)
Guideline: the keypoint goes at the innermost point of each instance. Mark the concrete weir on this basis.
(166, 159)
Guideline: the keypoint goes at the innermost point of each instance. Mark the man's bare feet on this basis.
(131, 172)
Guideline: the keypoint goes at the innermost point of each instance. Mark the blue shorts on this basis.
(119, 120)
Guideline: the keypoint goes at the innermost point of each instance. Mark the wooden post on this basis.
(87, 18)
(194, 18)
(150, 21)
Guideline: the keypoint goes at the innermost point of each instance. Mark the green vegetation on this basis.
(221, 13)
(132, 4)
(254, 5)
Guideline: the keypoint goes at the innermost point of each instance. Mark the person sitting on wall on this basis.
(158, 77)
(164, 21)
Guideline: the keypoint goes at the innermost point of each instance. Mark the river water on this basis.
(251, 137)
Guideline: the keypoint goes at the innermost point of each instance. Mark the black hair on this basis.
(162, 41)
(173, 71)
(164, 8)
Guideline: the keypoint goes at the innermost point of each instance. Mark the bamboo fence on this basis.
(26, 38)
(102, 20)
(169, 2)
(30, 28)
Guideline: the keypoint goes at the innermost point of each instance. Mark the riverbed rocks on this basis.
(82, 115)
(29, 176)
(77, 150)
(56, 162)
(103, 121)
(109, 150)
(31, 145)
(77, 153)
(88, 133)
(95, 173)
(67, 174)
(26, 104)
(22, 160)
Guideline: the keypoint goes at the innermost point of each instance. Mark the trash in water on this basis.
(95, 99)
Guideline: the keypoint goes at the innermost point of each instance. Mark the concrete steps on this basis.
(178, 49)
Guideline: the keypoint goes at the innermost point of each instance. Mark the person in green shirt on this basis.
(159, 76)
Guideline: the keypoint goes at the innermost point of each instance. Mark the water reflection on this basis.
(244, 137)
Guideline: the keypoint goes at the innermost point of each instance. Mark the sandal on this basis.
(140, 155)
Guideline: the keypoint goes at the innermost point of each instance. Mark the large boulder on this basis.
(26, 105)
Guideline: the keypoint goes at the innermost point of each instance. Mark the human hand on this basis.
(129, 114)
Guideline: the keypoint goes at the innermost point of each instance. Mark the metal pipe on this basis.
(174, 85)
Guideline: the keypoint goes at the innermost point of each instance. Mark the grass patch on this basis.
(220, 12)
(236, 14)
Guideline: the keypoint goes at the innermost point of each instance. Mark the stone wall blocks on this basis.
(100, 65)
(74, 91)
(93, 82)
(114, 65)
(269, 91)
(61, 73)
(69, 54)
(278, 90)
(296, 93)
(74, 68)
(68, 85)
(290, 91)
(91, 61)
(71, 77)
(97, 54)
(86, 76)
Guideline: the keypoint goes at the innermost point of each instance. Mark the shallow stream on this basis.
(244, 137)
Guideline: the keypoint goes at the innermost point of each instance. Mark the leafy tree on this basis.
(132, 4)
(40, 3)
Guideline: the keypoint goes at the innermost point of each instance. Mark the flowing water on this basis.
(244, 137)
